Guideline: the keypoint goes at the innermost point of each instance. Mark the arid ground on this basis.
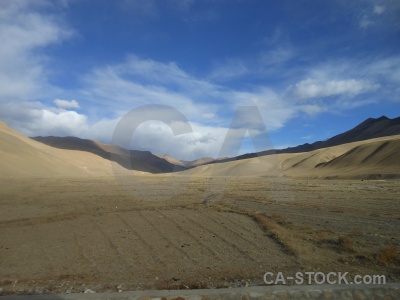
(66, 234)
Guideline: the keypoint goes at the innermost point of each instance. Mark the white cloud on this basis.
(269, 62)
(32, 118)
(208, 116)
(66, 103)
(231, 69)
(312, 109)
(379, 9)
(60, 123)
(23, 30)
(365, 22)
(274, 110)
(117, 93)
(157, 137)
(277, 55)
(204, 141)
(383, 16)
(139, 82)
(387, 69)
(313, 88)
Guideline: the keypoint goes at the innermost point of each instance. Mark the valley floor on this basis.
(62, 235)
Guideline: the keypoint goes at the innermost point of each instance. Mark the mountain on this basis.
(130, 159)
(187, 163)
(372, 158)
(369, 129)
(198, 162)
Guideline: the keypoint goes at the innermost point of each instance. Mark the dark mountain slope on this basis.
(130, 159)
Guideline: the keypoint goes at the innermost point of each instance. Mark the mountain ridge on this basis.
(371, 159)
(368, 129)
(146, 161)
(130, 159)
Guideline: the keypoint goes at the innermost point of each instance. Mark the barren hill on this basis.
(22, 156)
(187, 163)
(374, 158)
(130, 159)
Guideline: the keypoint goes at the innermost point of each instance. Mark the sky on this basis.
(271, 73)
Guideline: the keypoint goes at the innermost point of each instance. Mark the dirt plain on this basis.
(64, 234)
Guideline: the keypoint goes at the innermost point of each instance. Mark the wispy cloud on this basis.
(66, 103)
(23, 31)
(366, 21)
(229, 69)
(379, 9)
(307, 137)
(382, 15)
(24, 72)
(138, 82)
(269, 62)
(315, 88)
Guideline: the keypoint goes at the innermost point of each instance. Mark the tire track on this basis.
(20, 222)
(116, 250)
(235, 224)
(48, 258)
(232, 245)
(81, 251)
(238, 236)
(149, 247)
(211, 250)
(169, 240)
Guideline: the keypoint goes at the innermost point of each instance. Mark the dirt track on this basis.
(63, 234)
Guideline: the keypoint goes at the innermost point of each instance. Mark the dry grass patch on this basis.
(272, 225)
(276, 232)
(345, 244)
(281, 220)
(388, 254)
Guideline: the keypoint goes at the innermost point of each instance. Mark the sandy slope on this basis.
(22, 156)
(371, 158)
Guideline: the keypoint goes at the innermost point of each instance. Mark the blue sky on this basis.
(312, 68)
